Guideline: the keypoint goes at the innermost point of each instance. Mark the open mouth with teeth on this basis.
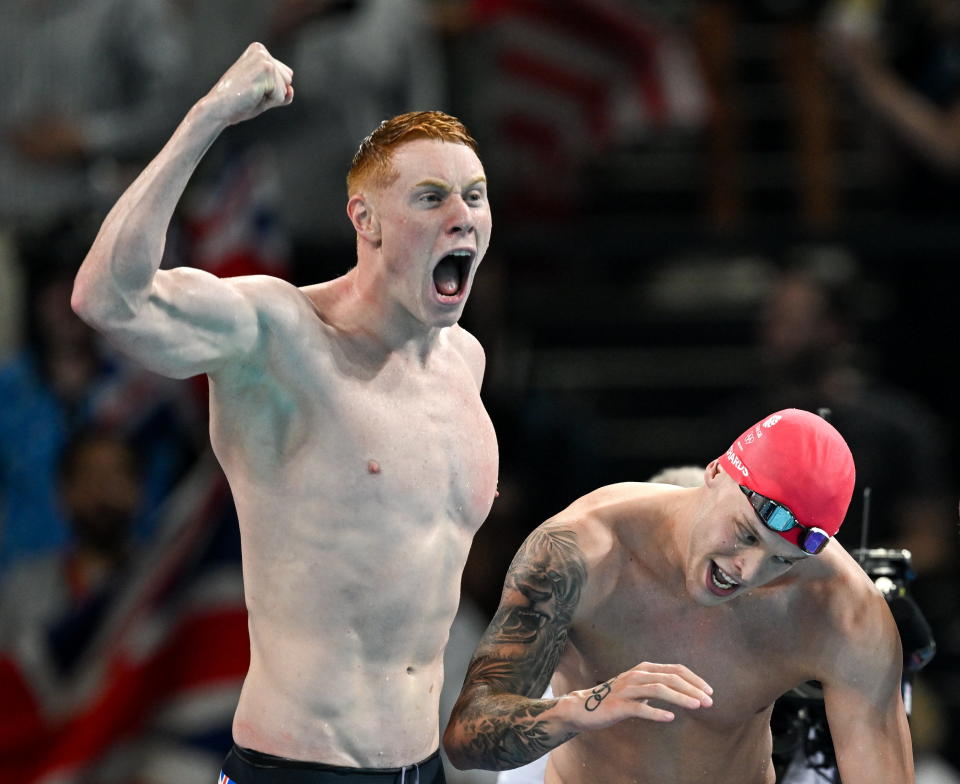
(719, 582)
(451, 273)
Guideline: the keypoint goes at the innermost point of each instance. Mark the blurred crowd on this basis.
(122, 629)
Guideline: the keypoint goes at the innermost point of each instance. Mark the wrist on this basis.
(569, 713)
(204, 117)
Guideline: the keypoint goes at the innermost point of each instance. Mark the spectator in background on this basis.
(122, 660)
(100, 489)
(901, 59)
(89, 84)
(62, 381)
(88, 87)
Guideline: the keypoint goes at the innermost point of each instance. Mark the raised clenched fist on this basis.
(254, 83)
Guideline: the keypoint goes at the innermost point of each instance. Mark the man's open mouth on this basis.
(721, 582)
(451, 273)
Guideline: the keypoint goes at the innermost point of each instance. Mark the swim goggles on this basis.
(778, 518)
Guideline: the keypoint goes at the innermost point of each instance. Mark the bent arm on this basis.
(499, 720)
(865, 711)
(178, 322)
(933, 132)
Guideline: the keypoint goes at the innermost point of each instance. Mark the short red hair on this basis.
(373, 161)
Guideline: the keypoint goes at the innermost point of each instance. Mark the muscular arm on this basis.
(496, 723)
(499, 722)
(865, 711)
(183, 321)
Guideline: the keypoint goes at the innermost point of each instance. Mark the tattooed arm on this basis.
(498, 721)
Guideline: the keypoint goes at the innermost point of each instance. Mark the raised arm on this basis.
(183, 321)
(499, 722)
(865, 711)
(932, 131)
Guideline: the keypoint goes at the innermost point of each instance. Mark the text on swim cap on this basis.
(736, 462)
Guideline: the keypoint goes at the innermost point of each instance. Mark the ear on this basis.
(364, 218)
(711, 474)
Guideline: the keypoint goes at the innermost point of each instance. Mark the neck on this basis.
(368, 313)
(669, 522)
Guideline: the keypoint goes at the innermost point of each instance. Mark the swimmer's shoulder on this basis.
(278, 302)
(593, 530)
(842, 600)
(470, 349)
(610, 504)
(596, 517)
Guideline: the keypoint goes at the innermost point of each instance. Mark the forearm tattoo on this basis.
(518, 653)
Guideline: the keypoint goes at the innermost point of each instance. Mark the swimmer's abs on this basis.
(380, 719)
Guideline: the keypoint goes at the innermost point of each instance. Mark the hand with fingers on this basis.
(255, 83)
(628, 696)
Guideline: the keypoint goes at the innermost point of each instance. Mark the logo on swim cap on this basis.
(772, 420)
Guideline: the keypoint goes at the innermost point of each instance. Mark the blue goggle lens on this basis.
(813, 541)
(778, 518)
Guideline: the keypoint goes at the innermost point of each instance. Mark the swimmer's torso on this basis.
(749, 651)
(359, 483)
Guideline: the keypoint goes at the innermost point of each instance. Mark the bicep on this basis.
(191, 322)
(871, 738)
(866, 714)
(522, 645)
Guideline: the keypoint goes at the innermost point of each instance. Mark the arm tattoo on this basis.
(519, 651)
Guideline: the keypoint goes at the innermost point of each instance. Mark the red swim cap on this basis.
(797, 459)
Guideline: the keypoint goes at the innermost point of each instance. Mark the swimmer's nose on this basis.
(460, 218)
(748, 567)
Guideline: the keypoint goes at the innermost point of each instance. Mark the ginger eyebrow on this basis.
(434, 183)
(445, 185)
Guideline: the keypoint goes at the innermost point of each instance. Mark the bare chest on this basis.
(399, 440)
(424, 437)
(745, 651)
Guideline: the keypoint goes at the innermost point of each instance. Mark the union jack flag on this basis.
(232, 220)
(149, 699)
